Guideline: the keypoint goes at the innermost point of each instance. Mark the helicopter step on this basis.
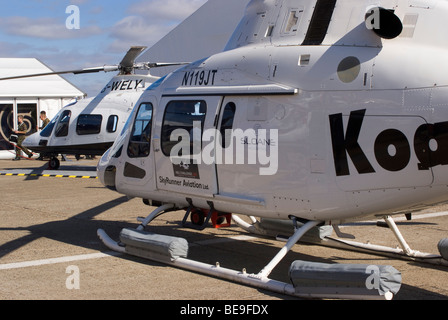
(173, 251)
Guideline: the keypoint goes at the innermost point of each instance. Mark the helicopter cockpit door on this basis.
(136, 152)
(185, 156)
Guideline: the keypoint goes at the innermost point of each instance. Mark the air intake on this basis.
(383, 22)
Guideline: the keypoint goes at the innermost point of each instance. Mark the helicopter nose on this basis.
(109, 177)
(106, 171)
(32, 141)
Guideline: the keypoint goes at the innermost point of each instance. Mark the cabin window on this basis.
(62, 127)
(189, 116)
(89, 124)
(227, 124)
(112, 124)
(140, 141)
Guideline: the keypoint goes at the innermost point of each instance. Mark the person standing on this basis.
(21, 133)
(45, 120)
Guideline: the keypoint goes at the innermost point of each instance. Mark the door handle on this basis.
(156, 144)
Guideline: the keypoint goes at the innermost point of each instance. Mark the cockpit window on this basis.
(140, 141)
(62, 127)
(46, 132)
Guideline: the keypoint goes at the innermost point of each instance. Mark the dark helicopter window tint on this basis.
(112, 123)
(89, 124)
(227, 123)
(46, 132)
(64, 121)
(140, 141)
(185, 115)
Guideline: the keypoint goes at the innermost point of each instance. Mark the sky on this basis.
(48, 30)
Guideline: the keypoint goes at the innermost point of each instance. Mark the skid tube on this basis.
(260, 280)
(403, 253)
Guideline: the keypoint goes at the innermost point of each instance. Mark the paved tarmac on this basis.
(49, 248)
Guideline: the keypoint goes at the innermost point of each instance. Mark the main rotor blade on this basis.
(131, 55)
(80, 71)
(164, 64)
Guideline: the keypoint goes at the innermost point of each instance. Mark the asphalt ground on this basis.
(49, 249)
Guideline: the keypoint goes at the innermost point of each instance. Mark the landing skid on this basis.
(404, 252)
(173, 251)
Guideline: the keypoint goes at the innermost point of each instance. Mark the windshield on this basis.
(46, 132)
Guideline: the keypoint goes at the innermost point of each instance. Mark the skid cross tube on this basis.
(404, 245)
(154, 214)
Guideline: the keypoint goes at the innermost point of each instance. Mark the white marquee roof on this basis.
(49, 86)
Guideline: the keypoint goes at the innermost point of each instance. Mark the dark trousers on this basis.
(20, 148)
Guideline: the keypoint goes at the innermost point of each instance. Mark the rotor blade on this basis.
(80, 71)
(131, 55)
(149, 65)
(164, 64)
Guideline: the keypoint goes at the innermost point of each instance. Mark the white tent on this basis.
(29, 96)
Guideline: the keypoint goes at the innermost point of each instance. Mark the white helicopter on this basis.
(316, 113)
(98, 119)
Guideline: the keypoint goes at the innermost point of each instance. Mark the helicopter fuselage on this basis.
(277, 125)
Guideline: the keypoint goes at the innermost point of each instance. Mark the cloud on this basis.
(150, 21)
(44, 28)
(104, 37)
(166, 10)
(78, 2)
(135, 30)
(8, 49)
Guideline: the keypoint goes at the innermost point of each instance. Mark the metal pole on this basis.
(391, 223)
(291, 242)
(154, 214)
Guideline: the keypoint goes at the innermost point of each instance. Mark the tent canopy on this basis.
(38, 87)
